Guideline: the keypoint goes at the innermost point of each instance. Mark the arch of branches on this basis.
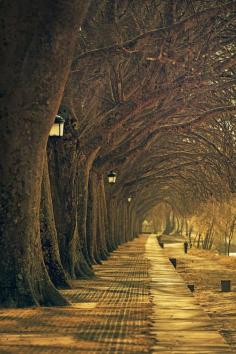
(147, 89)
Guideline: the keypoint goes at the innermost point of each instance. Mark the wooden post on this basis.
(191, 287)
(225, 285)
(173, 261)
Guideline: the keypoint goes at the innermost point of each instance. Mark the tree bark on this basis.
(37, 42)
(85, 166)
(63, 168)
(107, 236)
(111, 217)
(102, 231)
(49, 235)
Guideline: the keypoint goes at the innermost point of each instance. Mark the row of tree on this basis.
(147, 89)
(211, 225)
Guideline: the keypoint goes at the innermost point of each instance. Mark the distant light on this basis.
(129, 199)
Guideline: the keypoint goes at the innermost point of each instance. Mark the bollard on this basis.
(173, 261)
(161, 244)
(225, 285)
(185, 247)
(191, 287)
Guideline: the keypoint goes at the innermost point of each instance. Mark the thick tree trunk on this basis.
(49, 235)
(23, 277)
(119, 224)
(112, 211)
(168, 225)
(83, 178)
(69, 172)
(107, 237)
(63, 168)
(92, 220)
(130, 223)
(102, 237)
(37, 42)
(85, 166)
(123, 222)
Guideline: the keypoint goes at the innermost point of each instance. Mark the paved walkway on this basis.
(180, 325)
(136, 304)
(205, 270)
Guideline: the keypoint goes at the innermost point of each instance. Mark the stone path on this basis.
(110, 313)
(136, 304)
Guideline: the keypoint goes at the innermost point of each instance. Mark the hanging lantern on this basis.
(58, 126)
(129, 199)
(111, 177)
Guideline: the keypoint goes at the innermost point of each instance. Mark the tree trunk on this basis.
(168, 226)
(85, 166)
(107, 238)
(91, 222)
(37, 43)
(49, 235)
(112, 211)
(23, 278)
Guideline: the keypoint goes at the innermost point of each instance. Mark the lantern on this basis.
(111, 177)
(58, 126)
(129, 199)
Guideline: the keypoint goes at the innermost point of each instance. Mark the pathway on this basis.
(205, 270)
(180, 325)
(137, 303)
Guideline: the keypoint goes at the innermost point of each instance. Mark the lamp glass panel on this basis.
(111, 179)
(61, 129)
(57, 129)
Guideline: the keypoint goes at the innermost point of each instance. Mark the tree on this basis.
(37, 43)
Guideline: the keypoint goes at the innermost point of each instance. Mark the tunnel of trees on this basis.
(147, 89)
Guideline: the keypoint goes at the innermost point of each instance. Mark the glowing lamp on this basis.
(111, 177)
(58, 126)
